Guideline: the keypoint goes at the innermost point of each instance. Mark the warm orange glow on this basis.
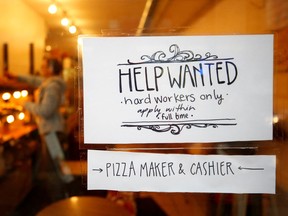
(48, 48)
(74, 199)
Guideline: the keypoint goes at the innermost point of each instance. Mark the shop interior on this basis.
(29, 32)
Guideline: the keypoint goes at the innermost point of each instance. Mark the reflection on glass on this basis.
(74, 199)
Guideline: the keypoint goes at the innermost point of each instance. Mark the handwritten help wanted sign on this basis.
(177, 89)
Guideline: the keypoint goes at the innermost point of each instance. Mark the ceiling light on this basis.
(72, 29)
(52, 9)
(65, 21)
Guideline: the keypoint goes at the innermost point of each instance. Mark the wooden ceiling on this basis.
(119, 17)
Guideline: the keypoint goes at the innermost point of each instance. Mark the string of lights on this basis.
(67, 22)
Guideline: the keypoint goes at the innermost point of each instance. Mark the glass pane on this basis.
(21, 195)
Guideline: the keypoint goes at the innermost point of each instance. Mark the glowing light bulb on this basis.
(24, 93)
(72, 29)
(6, 96)
(21, 116)
(52, 9)
(275, 119)
(65, 21)
(10, 119)
(48, 48)
(17, 94)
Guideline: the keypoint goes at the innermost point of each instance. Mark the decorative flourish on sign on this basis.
(176, 127)
(178, 56)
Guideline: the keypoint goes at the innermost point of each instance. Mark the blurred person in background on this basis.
(49, 97)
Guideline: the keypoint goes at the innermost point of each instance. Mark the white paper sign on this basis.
(126, 171)
(177, 89)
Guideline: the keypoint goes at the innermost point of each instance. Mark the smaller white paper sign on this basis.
(126, 171)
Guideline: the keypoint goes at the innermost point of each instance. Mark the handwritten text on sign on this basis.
(177, 89)
(180, 173)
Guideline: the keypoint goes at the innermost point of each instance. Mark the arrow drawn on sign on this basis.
(249, 168)
(98, 170)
